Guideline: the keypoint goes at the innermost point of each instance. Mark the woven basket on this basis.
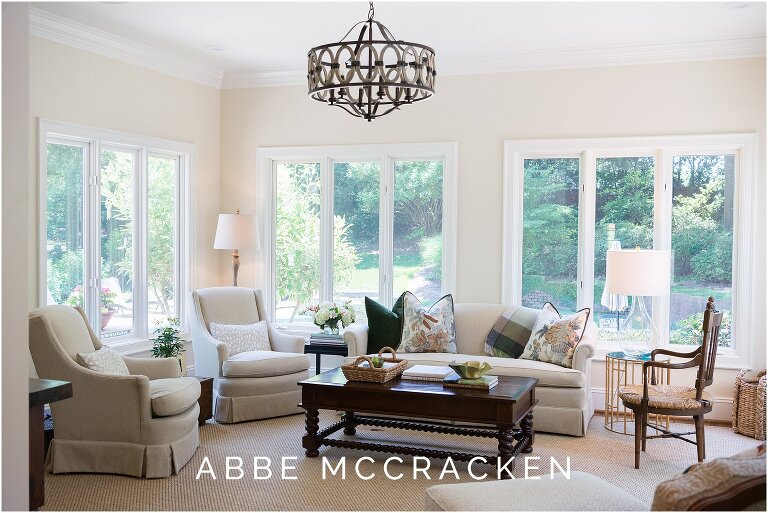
(353, 372)
(749, 405)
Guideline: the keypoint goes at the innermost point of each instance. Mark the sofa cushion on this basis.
(554, 338)
(171, 396)
(385, 326)
(263, 364)
(104, 360)
(430, 330)
(548, 374)
(511, 333)
(242, 337)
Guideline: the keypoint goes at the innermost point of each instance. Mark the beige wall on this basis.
(480, 112)
(74, 86)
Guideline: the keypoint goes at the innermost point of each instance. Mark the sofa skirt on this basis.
(127, 458)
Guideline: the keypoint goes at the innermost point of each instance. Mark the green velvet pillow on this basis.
(384, 325)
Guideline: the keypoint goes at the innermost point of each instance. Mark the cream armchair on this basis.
(253, 384)
(143, 424)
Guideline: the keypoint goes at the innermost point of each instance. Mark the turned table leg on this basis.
(309, 442)
(506, 446)
(349, 423)
(526, 428)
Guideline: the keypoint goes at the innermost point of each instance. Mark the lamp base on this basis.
(235, 267)
(638, 335)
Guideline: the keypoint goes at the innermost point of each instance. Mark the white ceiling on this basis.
(270, 39)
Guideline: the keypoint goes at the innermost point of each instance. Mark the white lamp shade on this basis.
(643, 272)
(237, 231)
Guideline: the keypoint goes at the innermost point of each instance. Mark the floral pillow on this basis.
(554, 338)
(430, 330)
(242, 337)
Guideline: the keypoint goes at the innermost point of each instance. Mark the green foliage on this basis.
(418, 199)
(689, 331)
(65, 271)
(167, 342)
(562, 292)
(431, 252)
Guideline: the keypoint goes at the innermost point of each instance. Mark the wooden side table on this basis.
(206, 399)
(41, 392)
(321, 349)
(621, 370)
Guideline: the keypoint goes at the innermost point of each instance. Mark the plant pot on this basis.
(106, 317)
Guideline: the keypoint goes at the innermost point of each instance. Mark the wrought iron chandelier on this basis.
(372, 75)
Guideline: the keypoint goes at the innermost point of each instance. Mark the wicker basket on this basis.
(353, 372)
(749, 404)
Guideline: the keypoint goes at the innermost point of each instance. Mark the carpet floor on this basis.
(603, 453)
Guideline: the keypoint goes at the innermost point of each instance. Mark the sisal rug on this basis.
(603, 453)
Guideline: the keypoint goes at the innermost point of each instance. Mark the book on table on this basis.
(323, 338)
(427, 373)
(482, 383)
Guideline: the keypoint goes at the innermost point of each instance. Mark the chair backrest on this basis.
(711, 328)
(57, 332)
(230, 305)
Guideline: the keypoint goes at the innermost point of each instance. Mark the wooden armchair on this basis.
(676, 400)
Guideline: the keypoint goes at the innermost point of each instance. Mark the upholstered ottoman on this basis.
(582, 492)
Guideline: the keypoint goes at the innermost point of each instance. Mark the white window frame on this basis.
(386, 155)
(664, 149)
(94, 140)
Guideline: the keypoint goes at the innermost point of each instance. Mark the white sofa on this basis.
(565, 400)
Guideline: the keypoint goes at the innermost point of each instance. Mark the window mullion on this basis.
(662, 233)
(386, 221)
(585, 286)
(92, 245)
(140, 281)
(326, 229)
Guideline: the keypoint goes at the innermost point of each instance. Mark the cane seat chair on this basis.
(677, 400)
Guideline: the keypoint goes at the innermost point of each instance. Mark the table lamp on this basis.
(236, 232)
(638, 273)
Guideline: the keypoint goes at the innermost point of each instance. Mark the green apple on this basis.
(377, 362)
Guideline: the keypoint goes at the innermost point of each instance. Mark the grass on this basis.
(366, 274)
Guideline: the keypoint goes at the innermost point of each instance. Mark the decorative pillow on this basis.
(104, 360)
(242, 337)
(385, 326)
(554, 338)
(428, 331)
(511, 333)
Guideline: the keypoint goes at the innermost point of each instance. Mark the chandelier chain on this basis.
(370, 11)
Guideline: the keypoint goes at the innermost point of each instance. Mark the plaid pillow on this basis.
(511, 332)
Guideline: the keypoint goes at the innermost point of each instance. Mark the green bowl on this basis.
(471, 369)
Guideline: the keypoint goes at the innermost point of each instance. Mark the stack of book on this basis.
(427, 373)
(482, 383)
(326, 339)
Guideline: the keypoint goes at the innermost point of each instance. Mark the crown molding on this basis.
(84, 37)
(560, 58)
(65, 31)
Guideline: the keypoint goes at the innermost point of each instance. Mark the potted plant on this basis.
(327, 315)
(107, 302)
(168, 342)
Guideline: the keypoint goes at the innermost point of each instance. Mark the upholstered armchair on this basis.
(143, 424)
(251, 384)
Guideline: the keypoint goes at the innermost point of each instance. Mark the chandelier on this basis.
(372, 75)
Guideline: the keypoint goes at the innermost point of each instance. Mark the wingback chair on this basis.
(675, 399)
(143, 424)
(252, 384)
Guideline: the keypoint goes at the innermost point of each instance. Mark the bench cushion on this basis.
(171, 396)
(263, 364)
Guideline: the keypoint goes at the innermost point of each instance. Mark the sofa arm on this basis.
(356, 337)
(153, 368)
(585, 350)
(284, 342)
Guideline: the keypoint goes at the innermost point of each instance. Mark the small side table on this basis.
(621, 370)
(321, 349)
(206, 399)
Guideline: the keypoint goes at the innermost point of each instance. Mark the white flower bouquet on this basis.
(329, 315)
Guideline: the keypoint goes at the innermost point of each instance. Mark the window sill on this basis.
(130, 347)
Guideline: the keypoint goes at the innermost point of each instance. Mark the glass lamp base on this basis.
(638, 334)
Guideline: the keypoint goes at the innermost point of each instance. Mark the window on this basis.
(568, 201)
(344, 223)
(114, 228)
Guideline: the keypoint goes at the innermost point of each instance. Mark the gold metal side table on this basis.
(620, 370)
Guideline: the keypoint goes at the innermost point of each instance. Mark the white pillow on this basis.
(104, 360)
(242, 337)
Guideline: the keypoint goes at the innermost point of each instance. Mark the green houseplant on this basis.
(168, 342)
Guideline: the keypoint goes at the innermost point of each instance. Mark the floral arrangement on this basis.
(329, 315)
(107, 298)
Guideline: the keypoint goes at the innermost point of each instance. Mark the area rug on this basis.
(603, 453)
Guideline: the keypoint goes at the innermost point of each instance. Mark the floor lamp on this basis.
(236, 231)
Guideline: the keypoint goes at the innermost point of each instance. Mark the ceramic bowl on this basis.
(471, 369)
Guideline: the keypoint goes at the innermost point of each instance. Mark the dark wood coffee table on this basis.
(507, 408)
